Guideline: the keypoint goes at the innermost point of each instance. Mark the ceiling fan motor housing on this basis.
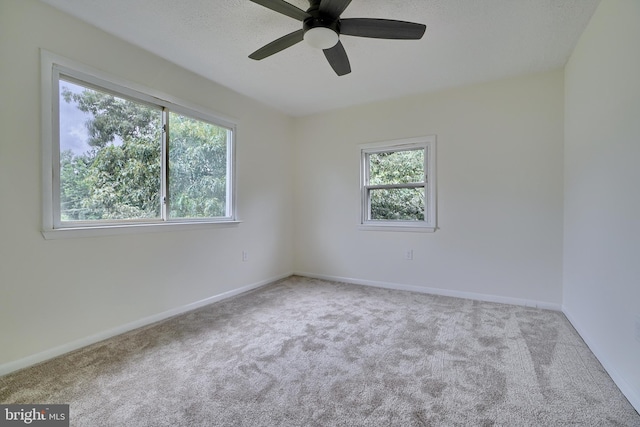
(319, 21)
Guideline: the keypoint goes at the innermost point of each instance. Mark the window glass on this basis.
(110, 156)
(395, 167)
(404, 204)
(197, 168)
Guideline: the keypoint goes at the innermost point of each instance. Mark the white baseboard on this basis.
(438, 291)
(34, 359)
(632, 395)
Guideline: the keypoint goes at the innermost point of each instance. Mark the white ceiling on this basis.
(467, 41)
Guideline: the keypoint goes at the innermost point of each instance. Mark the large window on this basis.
(398, 184)
(121, 157)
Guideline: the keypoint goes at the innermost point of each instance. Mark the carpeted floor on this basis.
(305, 352)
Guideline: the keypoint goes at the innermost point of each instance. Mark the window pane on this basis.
(396, 167)
(402, 204)
(110, 156)
(197, 168)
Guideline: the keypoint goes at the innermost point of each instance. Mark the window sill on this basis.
(398, 227)
(114, 230)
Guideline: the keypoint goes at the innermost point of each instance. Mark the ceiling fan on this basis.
(322, 28)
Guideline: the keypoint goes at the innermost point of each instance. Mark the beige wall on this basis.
(499, 179)
(602, 196)
(55, 292)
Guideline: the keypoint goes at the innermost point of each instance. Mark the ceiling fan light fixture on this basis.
(321, 37)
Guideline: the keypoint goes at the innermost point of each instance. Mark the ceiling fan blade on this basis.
(382, 28)
(284, 8)
(278, 45)
(338, 59)
(333, 8)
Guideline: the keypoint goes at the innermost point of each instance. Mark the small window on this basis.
(398, 184)
(121, 157)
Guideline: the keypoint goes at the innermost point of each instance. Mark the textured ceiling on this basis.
(467, 41)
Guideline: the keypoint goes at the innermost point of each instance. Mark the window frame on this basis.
(426, 143)
(52, 67)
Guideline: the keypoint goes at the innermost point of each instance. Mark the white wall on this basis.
(602, 191)
(499, 178)
(53, 293)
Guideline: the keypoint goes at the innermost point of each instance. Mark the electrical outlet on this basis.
(408, 254)
(245, 256)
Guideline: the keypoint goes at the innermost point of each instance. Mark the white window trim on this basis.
(428, 143)
(50, 63)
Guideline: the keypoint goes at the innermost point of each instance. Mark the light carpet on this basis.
(306, 352)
